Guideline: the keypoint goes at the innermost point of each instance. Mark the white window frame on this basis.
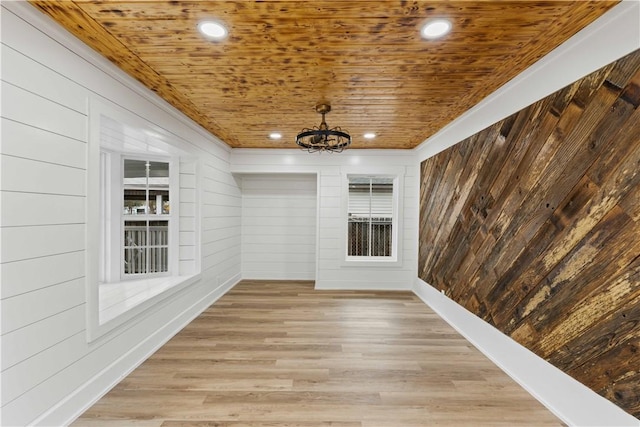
(112, 196)
(168, 149)
(397, 174)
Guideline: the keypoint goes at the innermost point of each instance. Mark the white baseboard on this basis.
(346, 285)
(571, 401)
(276, 276)
(66, 411)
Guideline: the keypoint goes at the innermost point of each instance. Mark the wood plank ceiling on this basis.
(366, 58)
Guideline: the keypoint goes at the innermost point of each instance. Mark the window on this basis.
(137, 225)
(143, 241)
(371, 225)
(145, 198)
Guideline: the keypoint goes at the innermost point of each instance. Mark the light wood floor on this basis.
(281, 354)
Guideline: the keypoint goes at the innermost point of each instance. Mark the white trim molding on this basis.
(571, 401)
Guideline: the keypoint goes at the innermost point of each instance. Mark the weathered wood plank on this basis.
(546, 246)
(597, 207)
(590, 311)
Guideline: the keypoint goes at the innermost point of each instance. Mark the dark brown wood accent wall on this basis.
(533, 224)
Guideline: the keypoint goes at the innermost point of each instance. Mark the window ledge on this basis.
(122, 301)
(371, 262)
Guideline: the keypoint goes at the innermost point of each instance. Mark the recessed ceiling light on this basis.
(435, 28)
(369, 135)
(213, 30)
(275, 135)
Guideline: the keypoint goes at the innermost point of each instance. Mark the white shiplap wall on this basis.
(279, 226)
(331, 169)
(50, 373)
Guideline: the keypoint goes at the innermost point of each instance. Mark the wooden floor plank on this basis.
(280, 354)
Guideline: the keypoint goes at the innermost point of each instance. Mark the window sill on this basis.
(371, 262)
(120, 302)
(119, 297)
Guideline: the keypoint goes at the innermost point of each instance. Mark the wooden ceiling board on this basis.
(282, 57)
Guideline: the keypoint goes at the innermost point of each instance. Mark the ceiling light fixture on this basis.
(369, 135)
(435, 29)
(212, 29)
(275, 135)
(322, 138)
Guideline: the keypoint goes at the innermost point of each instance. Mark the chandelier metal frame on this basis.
(321, 138)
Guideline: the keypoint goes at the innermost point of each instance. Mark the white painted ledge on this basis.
(119, 297)
(570, 400)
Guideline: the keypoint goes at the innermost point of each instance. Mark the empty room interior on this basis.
(320, 213)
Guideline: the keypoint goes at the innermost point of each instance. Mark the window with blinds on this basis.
(370, 217)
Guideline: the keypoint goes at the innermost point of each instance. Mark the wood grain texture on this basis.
(283, 56)
(273, 353)
(533, 225)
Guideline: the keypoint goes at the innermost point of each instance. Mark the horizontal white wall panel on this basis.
(23, 343)
(278, 248)
(211, 224)
(279, 226)
(187, 224)
(31, 372)
(220, 199)
(32, 274)
(221, 211)
(31, 307)
(330, 201)
(20, 140)
(187, 181)
(276, 239)
(279, 204)
(23, 209)
(187, 209)
(257, 220)
(332, 246)
(186, 252)
(292, 257)
(222, 266)
(187, 195)
(30, 176)
(299, 231)
(187, 238)
(222, 233)
(25, 107)
(20, 243)
(22, 71)
(299, 212)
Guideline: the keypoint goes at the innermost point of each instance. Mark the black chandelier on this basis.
(322, 138)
